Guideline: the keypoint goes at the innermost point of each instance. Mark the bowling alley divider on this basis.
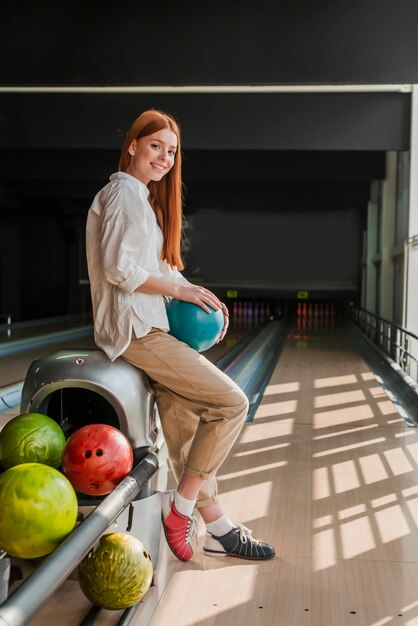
(401, 389)
(10, 397)
(251, 367)
(20, 607)
(22, 345)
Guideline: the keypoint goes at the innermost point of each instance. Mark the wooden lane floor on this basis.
(327, 473)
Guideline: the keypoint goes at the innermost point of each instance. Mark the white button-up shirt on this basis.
(124, 243)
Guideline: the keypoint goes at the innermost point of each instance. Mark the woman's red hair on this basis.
(165, 195)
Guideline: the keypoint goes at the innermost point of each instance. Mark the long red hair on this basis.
(166, 195)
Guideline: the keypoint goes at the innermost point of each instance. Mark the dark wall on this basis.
(165, 43)
(282, 252)
(243, 152)
(353, 121)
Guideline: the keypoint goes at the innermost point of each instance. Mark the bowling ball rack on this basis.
(28, 598)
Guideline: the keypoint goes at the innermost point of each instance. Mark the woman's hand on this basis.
(204, 298)
(200, 296)
(226, 322)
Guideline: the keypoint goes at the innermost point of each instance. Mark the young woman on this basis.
(133, 253)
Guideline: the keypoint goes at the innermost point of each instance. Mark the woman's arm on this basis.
(119, 240)
(182, 291)
(189, 293)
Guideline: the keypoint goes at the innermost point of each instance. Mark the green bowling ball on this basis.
(31, 438)
(118, 573)
(38, 510)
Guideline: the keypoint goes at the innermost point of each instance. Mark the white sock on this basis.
(220, 526)
(183, 505)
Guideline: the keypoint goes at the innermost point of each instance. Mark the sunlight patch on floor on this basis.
(342, 416)
(351, 511)
(391, 524)
(368, 376)
(383, 621)
(398, 461)
(383, 501)
(352, 446)
(377, 392)
(324, 549)
(410, 491)
(398, 420)
(272, 390)
(320, 483)
(335, 399)
(251, 470)
(191, 581)
(406, 433)
(261, 432)
(413, 450)
(276, 408)
(386, 407)
(412, 505)
(244, 504)
(346, 431)
(320, 522)
(345, 476)
(356, 537)
(335, 381)
(264, 449)
(408, 607)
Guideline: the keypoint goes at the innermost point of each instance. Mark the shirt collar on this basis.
(118, 175)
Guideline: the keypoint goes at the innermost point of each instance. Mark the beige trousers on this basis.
(201, 409)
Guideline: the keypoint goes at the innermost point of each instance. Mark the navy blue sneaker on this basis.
(238, 542)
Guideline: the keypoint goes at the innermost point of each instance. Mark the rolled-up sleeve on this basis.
(121, 238)
(172, 273)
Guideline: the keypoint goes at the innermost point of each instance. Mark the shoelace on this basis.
(192, 529)
(245, 534)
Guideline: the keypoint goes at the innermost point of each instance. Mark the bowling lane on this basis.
(23, 330)
(246, 316)
(13, 367)
(328, 472)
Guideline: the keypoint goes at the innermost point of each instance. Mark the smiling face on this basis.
(152, 156)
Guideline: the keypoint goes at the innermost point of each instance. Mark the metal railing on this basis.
(398, 343)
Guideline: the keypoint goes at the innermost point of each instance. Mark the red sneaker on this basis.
(179, 530)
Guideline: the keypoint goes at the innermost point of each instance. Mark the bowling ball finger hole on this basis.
(87, 454)
(99, 452)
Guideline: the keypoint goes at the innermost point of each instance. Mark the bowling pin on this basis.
(250, 315)
(235, 313)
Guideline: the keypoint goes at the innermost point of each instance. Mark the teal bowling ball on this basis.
(191, 324)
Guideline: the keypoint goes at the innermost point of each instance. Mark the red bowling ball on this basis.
(96, 458)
